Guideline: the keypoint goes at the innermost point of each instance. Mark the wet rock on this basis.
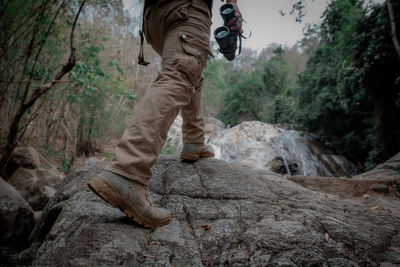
(254, 218)
(16, 218)
(266, 146)
(25, 157)
(282, 166)
(36, 186)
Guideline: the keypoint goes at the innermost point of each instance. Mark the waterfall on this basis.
(266, 146)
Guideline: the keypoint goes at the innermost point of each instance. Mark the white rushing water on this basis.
(266, 146)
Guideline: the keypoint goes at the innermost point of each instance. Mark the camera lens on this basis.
(227, 11)
(221, 34)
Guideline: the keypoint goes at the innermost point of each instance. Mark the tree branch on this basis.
(67, 67)
(39, 52)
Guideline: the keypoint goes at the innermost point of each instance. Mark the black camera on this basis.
(226, 38)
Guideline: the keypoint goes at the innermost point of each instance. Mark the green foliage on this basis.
(91, 104)
(348, 91)
(96, 87)
(65, 164)
(261, 95)
(214, 86)
(168, 148)
(244, 101)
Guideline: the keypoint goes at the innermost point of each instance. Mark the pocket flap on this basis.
(192, 46)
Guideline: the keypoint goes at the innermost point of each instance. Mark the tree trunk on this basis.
(393, 27)
(13, 130)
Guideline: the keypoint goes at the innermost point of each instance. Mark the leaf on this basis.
(206, 226)
(327, 237)
(389, 211)
(375, 207)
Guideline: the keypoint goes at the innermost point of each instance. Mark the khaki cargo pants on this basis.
(179, 31)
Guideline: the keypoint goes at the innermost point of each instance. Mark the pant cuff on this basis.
(137, 178)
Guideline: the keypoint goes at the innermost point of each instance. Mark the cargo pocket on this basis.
(193, 61)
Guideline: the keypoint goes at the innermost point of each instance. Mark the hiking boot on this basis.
(193, 151)
(130, 197)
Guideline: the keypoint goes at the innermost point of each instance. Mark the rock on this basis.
(214, 123)
(366, 196)
(16, 218)
(282, 166)
(249, 142)
(25, 157)
(212, 126)
(388, 171)
(378, 188)
(36, 186)
(381, 188)
(253, 218)
(173, 145)
(266, 146)
(344, 187)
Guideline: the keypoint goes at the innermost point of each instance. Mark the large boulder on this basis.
(174, 143)
(36, 186)
(16, 218)
(378, 188)
(223, 215)
(23, 156)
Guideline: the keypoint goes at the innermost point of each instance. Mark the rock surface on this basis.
(266, 146)
(378, 188)
(36, 186)
(223, 215)
(16, 218)
(25, 157)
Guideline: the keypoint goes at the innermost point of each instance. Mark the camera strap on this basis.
(241, 36)
(141, 60)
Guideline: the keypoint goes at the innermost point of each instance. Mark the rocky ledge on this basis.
(223, 215)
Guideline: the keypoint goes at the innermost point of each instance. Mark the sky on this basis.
(268, 25)
(264, 20)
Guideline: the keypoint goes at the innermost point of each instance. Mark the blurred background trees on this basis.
(340, 82)
(348, 92)
(91, 104)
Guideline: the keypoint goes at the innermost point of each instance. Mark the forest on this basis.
(70, 81)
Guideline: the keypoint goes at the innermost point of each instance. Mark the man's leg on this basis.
(124, 183)
(192, 116)
(144, 138)
(193, 129)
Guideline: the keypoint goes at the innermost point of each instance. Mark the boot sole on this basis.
(103, 189)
